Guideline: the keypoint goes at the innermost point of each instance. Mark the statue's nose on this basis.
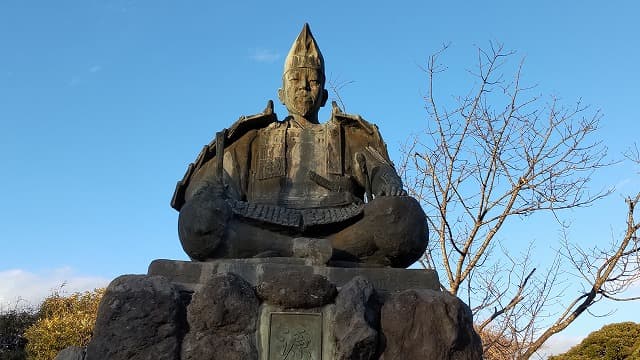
(305, 84)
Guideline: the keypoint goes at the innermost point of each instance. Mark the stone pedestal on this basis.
(190, 275)
(280, 309)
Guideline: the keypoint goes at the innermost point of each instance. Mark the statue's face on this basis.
(303, 91)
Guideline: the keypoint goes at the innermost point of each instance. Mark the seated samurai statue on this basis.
(270, 188)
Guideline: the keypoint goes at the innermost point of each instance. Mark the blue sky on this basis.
(104, 103)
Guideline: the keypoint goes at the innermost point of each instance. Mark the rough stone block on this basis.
(357, 316)
(139, 317)
(296, 289)
(222, 320)
(71, 353)
(428, 325)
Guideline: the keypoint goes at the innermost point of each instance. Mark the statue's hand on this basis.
(392, 190)
(386, 182)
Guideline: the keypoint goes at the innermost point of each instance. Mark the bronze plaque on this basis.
(295, 336)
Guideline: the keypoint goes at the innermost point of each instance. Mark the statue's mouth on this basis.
(305, 99)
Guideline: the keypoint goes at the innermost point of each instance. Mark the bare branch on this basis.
(336, 85)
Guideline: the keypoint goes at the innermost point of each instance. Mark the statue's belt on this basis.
(298, 218)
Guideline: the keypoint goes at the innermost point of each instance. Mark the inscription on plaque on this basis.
(295, 336)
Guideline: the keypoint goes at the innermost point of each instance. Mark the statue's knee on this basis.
(201, 227)
(400, 228)
(403, 212)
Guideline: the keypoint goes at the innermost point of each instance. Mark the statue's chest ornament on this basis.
(271, 154)
(292, 152)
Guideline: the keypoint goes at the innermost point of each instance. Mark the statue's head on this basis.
(303, 91)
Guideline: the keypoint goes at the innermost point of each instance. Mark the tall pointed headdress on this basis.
(304, 52)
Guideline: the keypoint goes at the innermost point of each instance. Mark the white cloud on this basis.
(23, 288)
(264, 55)
(559, 344)
(95, 68)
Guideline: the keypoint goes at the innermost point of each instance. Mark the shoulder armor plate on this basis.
(235, 132)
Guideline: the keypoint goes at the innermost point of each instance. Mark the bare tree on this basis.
(498, 154)
(336, 85)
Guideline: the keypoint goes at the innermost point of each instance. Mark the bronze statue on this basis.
(269, 188)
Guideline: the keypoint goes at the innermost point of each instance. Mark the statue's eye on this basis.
(294, 76)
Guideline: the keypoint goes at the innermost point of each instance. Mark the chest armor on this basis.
(289, 160)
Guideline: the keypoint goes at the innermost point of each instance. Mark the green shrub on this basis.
(619, 341)
(62, 321)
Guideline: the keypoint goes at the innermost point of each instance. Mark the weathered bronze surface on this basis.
(295, 336)
(277, 181)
